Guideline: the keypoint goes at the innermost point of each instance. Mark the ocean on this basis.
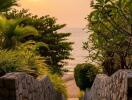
(78, 36)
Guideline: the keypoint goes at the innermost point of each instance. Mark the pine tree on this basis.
(58, 46)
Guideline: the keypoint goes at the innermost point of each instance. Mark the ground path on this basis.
(72, 89)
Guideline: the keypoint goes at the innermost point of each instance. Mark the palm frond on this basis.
(7, 4)
(11, 32)
(21, 32)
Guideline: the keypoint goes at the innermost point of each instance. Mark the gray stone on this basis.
(116, 87)
(20, 86)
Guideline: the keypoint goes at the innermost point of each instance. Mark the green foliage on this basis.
(22, 61)
(111, 65)
(58, 84)
(111, 32)
(7, 4)
(23, 49)
(11, 32)
(33, 46)
(58, 46)
(84, 75)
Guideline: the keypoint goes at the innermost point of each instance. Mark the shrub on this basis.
(30, 63)
(84, 75)
(58, 84)
(21, 61)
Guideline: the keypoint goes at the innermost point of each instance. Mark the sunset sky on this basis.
(70, 12)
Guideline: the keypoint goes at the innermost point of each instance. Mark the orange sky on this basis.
(70, 12)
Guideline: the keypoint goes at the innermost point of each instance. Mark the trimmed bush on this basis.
(84, 75)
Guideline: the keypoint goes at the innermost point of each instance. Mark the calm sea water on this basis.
(78, 36)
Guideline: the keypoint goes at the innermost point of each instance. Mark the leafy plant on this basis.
(11, 32)
(59, 47)
(5, 5)
(84, 75)
(58, 84)
(110, 26)
(22, 61)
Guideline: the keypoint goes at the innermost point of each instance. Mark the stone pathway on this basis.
(73, 99)
(72, 89)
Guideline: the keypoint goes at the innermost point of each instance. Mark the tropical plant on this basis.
(28, 44)
(84, 75)
(59, 47)
(11, 32)
(5, 5)
(111, 32)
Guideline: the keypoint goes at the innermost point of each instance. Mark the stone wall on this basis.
(116, 87)
(20, 86)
